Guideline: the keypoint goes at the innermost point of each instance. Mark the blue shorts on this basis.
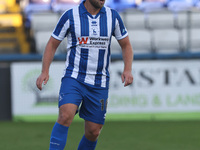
(91, 101)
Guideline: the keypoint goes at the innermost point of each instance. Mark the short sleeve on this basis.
(120, 30)
(62, 26)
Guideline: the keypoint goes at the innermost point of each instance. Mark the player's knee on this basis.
(96, 133)
(93, 134)
(65, 119)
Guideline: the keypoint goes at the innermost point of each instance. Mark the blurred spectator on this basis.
(63, 5)
(35, 6)
(179, 5)
(9, 6)
(2, 6)
(121, 5)
(151, 5)
(38, 6)
(196, 3)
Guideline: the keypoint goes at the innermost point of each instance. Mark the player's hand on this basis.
(42, 79)
(127, 78)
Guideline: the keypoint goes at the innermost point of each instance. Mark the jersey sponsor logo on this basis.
(94, 23)
(83, 40)
(93, 42)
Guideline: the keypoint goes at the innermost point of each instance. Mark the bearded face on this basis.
(97, 3)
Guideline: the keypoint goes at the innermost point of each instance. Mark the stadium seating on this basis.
(161, 20)
(8, 41)
(41, 39)
(12, 34)
(170, 26)
(13, 40)
(134, 19)
(43, 21)
(192, 40)
(2, 6)
(195, 19)
(42, 26)
(115, 48)
(9, 6)
(181, 19)
(167, 41)
(141, 41)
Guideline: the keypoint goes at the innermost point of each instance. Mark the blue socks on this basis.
(85, 144)
(58, 137)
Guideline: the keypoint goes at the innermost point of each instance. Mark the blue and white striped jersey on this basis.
(88, 46)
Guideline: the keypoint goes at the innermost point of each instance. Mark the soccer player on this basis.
(88, 28)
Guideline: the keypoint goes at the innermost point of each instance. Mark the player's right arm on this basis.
(48, 56)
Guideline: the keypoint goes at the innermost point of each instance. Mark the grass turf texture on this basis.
(121, 117)
(116, 135)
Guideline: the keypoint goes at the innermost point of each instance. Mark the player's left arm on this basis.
(127, 52)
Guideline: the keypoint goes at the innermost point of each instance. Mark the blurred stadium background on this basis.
(160, 111)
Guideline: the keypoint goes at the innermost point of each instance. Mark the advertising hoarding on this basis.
(159, 87)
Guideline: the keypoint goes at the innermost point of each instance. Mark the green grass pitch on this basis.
(116, 135)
